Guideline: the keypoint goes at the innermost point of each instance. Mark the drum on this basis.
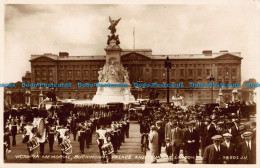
(33, 144)
(40, 127)
(107, 149)
(66, 147)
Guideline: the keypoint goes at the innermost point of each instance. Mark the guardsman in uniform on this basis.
(51, 133)
(247, 150)
(215, 153)
(81, 136)
(29, 133)
(88, 126)
(6, 142)
(114, 136)
(13, 130)
(73, 126)
(101, 140)
(231, 156)
(127, 126)
(63, 135)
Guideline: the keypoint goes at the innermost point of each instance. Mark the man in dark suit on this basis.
(209, 132)
(191, 140)
(230, 130)
(215, 153)
(176, 139)
(160, 131)
(247, 150)
(200, 126)
(231, 149)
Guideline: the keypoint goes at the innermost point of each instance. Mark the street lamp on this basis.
(140, 89)
(168, 65)
(211, 79)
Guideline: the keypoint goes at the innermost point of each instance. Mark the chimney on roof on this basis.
(63, 54)
(207, 52)
(223, 51)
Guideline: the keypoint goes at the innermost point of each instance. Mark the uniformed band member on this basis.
(114, 137)
(63, 135)
(7, 148)
(101, 140)
(81, 136)
(13, 130)
(51, 133)
(88, 126)
(29, 134)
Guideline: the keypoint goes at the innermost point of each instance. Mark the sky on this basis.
(82, 30)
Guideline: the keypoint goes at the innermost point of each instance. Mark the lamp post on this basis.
(168, 65)
(211, 79)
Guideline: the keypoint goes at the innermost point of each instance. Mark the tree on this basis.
(251, 81)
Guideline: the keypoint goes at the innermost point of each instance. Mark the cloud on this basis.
(166, 29)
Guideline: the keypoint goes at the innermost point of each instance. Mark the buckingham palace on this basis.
(144, 67)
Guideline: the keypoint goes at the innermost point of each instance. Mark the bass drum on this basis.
(40, 127)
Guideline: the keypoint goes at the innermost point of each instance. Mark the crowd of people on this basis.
(219, 138)
(216, 136)
(110, 126)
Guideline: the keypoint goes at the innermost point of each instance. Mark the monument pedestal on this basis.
(113, 73)
(178, 101)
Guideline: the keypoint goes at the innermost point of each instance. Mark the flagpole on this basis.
(134, 39)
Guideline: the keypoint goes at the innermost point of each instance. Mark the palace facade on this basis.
(143, 67)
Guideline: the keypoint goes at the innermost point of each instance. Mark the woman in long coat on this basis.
(153, 139)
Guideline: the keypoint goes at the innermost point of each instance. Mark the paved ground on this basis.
(129, 152)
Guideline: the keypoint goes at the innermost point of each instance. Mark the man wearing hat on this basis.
(191, 140)
(209, 132)
(231, 149)
(153, 139)
(200, 127)
(50, 133)
(176, 141)
(168, 128)
(161, 135)
(215, 153)
(229, 130)
(247, 150)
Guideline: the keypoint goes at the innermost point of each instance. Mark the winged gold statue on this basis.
(113, 24)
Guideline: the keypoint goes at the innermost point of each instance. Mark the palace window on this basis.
(208, 72)
(77, 73)
(86, 73)
(190, 72)
(199, 72)
(70, 74)
(233, 72)
(219, 72)
(181, 72)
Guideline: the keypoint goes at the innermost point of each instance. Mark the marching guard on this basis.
(51, 133)
(63, 139)
(81, 135)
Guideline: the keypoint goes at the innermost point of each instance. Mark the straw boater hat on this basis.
(246, 134)
(217, 137)
(227, 135)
